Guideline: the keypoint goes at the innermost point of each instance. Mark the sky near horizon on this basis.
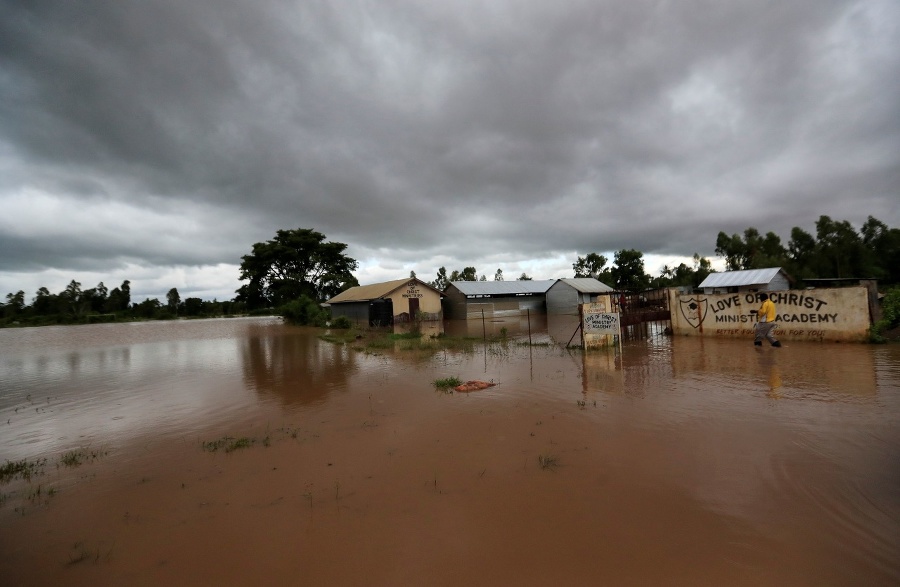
(157, 141)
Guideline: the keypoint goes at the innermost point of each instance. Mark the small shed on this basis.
(469, 299)
(384, 303)
(771, 279)
(566, 295)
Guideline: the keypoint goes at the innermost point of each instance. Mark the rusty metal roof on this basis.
(741, 278)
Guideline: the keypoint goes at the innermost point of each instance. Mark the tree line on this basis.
(299, 269)
(75, 305)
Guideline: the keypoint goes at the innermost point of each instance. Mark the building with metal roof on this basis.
(769, 279)
(565, 295)
(472, 299)
(383, 303)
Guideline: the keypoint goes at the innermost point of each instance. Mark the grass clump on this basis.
(228, 444)
(548, 462)
(25, 469)
(74, 458)
(447, 383)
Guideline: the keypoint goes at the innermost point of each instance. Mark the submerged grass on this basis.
(229, 444)
(25, 469)
(548, 462)
(74, 458)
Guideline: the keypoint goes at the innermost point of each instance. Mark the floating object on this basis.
(473, 386)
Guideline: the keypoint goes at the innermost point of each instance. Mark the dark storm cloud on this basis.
(456, 131)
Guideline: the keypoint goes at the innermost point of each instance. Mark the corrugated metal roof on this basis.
(740, 278)
(508, 288)
(364, 293)
(587, 284)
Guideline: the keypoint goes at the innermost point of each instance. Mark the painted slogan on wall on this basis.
(827, 314)
(412, 290)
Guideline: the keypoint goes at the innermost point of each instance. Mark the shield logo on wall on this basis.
(694, 310)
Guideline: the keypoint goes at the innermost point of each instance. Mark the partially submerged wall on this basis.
(821, 314)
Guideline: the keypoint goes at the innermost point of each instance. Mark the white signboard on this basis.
(601, 323)
(598, 326)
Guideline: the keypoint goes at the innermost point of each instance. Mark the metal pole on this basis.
(528, 313)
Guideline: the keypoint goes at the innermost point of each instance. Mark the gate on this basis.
(645, 314)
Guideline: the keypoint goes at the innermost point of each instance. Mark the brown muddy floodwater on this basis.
(247, 452)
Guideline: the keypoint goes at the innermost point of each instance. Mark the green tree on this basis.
(883, 244)
(591, 265)
(523, 277)
(15, 304)
(119, 298)
(148, 308)
(628, 271)
(841, 252)
(498, 276)
(467, 274)
(801, 253)
(702, 269)
(45, 303)
(295, 263)
(193, 306)
(173, 300)
(441, 281)
(73, 298)
(96, 297)
(751, 251)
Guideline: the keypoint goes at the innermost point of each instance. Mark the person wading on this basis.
(765, 325)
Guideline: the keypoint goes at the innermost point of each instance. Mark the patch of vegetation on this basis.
(304, 311)
(548, 462)
(25, 469)
(890, 318)
(81, 554)
(447, 383)
(228, 444)
(341, 323)
(74, 458)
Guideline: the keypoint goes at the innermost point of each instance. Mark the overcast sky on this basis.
(157, 140)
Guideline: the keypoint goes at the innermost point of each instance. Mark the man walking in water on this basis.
(765, 326)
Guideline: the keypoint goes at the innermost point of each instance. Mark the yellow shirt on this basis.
(767, 312)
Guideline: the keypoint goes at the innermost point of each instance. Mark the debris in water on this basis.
(474, 386)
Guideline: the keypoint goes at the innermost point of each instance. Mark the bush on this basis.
(890, 315)
(305, 312)
(341, 322)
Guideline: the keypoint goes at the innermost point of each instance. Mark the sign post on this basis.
(597, 325)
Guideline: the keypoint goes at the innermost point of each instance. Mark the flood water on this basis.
(245, 452)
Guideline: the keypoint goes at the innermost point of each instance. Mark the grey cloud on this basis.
(402, 127)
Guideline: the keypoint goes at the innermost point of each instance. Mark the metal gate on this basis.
(645, 314)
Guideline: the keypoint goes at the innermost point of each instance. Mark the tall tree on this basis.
(801, 254)
(628, 270)
(172, 300)
(295, 263)
(841, 252)
(498, 276)
(15, 303)
(467, 274)
(74, 298)
(119, 298)
(591, 265)
(441, 281)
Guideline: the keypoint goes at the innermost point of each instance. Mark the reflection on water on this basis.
(280, 361)
(719, 462)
